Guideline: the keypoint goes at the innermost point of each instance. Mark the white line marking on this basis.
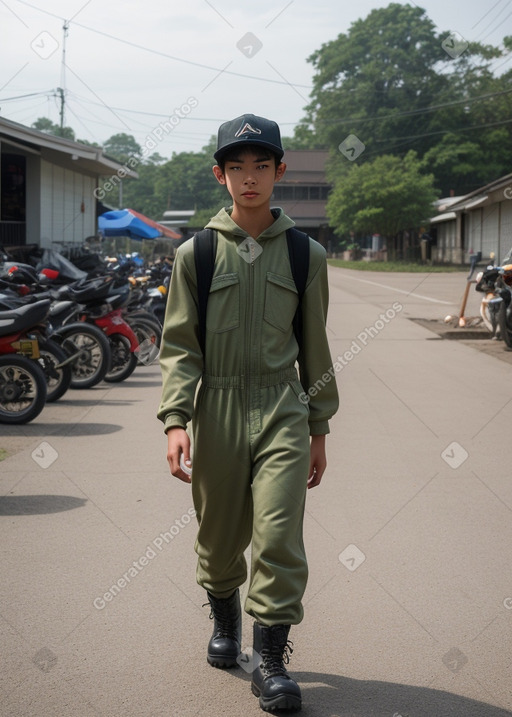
(400, 291)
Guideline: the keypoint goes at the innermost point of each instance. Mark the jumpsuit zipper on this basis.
(248, 346)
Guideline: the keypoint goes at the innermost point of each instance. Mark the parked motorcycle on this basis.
(103, 309)
(87, 347)
(51, 356)
(86, 356)
(23, 387)
(496, 306)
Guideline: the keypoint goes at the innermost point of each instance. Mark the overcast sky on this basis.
(199, 62)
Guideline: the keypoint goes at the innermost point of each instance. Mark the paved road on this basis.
(409, 603)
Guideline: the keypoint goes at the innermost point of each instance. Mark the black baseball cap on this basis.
(249, 129)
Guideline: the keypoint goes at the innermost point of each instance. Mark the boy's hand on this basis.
(317, 461)
(178, 443)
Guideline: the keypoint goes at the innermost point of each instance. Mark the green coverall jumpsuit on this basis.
(251, 418)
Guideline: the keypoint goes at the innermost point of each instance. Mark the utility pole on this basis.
(61, 95)
(62, 89)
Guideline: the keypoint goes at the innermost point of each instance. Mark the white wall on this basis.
(505, 228)
(62, 194)
(446, 251)
(490, 230)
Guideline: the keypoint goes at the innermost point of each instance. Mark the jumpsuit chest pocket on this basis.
(281, 301)
(223, 313)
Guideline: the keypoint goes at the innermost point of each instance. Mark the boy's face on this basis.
(250, 177)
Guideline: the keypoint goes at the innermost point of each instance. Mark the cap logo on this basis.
(247, 129)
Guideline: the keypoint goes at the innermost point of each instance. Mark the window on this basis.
(301, 193)
(13, 183)
(283, 193)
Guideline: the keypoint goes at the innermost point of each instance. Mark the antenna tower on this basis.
(62, 89)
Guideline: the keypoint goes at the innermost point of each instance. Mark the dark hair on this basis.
(234, 153)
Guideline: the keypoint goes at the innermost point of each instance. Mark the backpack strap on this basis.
(205, 249)
(298, 250)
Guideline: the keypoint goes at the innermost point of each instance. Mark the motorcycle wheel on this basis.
(505, 332)
(144, 315)
(22, 389)
(92, 351)
(148, 335)
(123, 362)
(493, 312)
(486, 315)
(58, 380)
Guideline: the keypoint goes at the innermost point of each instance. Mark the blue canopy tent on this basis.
(132, 224)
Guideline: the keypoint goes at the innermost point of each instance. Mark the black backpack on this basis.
(205, 250)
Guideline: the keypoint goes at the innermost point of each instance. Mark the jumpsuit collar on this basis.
(222, 222)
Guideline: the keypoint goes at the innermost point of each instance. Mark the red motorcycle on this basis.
(23, 387)
(101, 304)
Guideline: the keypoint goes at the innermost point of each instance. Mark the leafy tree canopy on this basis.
(43, 124)
(121, 146)
(392, 82)
(381, 196)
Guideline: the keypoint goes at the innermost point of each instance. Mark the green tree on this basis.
(303, 138)
(139, 194)
(186, 181)
(390, 82)
(383, 196)
(202, 217)
(43, 124)
(453, 161)
(89, 144)
(383, 66)
(122, 146)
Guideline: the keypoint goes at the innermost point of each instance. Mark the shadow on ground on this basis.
(62, 429)
(38, 504)
(142, 384)
(81, 402)
(327, 695)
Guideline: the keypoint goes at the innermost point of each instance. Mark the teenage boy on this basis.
(258, 444)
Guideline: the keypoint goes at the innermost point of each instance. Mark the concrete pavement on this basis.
(409, 602)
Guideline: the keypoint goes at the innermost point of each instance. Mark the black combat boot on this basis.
(224, 645)
(270, 681)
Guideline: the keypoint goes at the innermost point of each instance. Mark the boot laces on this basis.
(275, 657)
(225, 620)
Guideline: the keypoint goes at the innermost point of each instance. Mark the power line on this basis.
(431, 108)
(406, 113)
(164, 54)
(22, 97)
(166, 116)
(487, 13)
(451, 130)
(493, 20)
(175, 137)
(157, 114)
(146, 128)
(78, 99)
(507, 59)
(23, 119)
(69, 109)
(495, 28)
(419, 110)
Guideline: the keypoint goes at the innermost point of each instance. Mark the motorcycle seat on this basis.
(23, 318)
